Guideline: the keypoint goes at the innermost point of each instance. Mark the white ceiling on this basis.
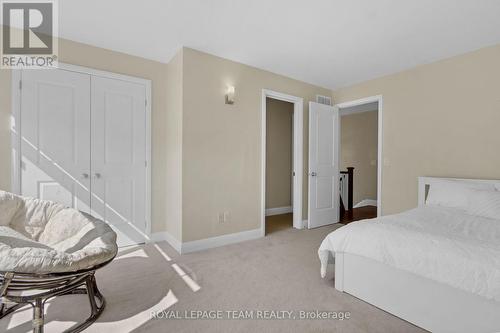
(368, 107)
(331, 43)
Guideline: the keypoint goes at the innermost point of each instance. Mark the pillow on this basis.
(484, 203)
(454, 193)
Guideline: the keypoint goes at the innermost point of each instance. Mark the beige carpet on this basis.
(278, 272)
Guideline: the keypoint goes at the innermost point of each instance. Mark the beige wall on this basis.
(439, 119)
(98, 58)
(278, 153)
(173, 144)
(5, 112)
(359, 150)
(222, 143)
(206, 155)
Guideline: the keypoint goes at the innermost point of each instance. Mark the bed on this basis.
(436, 266)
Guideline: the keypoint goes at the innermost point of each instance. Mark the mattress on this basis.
(443, 244)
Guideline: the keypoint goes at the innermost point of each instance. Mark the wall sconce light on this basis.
(230, 95)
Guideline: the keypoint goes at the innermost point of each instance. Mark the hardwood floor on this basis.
(361, 213)
(277, 223)
(282, 222)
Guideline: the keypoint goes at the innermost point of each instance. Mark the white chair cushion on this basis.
(38, 236)
(9, 204)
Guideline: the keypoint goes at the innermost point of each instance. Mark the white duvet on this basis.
(442, 244)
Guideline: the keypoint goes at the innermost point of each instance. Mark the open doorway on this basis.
(359, 159)
(282, 170)
(279, 165)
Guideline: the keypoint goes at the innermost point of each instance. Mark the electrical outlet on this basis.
(226, 217)
(220, 217)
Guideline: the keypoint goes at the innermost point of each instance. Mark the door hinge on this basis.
(20, 84)
(145, 102)
(146, 164)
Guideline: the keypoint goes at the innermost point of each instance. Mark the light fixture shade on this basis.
(230, 95)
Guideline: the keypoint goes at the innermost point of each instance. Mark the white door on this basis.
(55, 137)
(119, 157)
(323, 165)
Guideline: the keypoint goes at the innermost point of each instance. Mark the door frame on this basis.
(380, 137)
(15, 127)
(298, 142)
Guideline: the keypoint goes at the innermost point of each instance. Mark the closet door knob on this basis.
(97, 175)
(85, 175)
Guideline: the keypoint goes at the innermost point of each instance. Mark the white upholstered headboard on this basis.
(424, 183)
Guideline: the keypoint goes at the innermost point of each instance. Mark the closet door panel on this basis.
(55, 137)
(118, 157)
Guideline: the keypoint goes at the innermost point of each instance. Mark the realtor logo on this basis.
(29, 37)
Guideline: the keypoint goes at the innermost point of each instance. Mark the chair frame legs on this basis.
(84, 283)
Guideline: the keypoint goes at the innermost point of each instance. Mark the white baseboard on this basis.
(207, 243)
(278, 210)
(167, 237)
(217, 241)
(366, 202)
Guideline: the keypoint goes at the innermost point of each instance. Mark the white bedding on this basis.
(442, 244)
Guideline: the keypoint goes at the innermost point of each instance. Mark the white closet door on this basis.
(119, 157)
(55, 137)
(323, 165)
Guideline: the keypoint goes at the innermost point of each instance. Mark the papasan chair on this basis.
(48, 250)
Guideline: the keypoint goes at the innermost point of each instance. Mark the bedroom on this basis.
(203, 204)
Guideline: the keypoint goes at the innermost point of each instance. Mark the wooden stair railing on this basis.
(350, 177)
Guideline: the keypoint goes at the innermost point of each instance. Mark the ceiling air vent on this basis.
(323, 99)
